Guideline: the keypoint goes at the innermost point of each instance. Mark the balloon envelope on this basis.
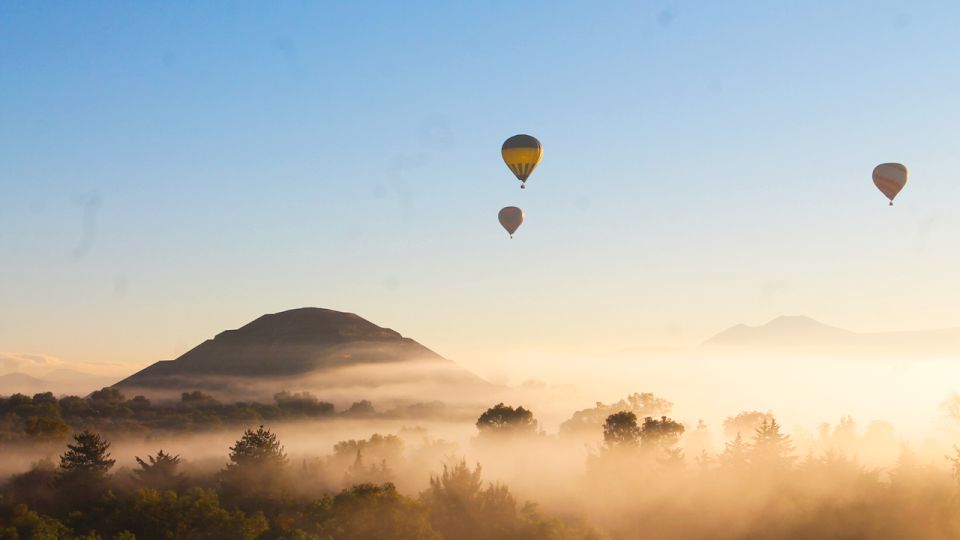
(890, 178)
(511, 217)
(522, 153)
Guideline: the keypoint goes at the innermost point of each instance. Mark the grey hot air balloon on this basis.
(890, 179)
(511, 217)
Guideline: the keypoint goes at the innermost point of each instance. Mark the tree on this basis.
(770, 447)
(257, 448)
(735, 453)
(196, 514)
(84, 467)
(587, 421)
(505, 420)
(381, 452)
(198, 400)
(45, 427)
(361, 408)
(620, 430)
(907, 467)
(388, 448)
(955, 465)
(673, 458)
(951, 407)
(139, 403)
(160, 472)
(359, 473)
(698, 441)
(88, 457)
(75, 407)
(745, 422)
(257, 472)
(19, 521)
(302, 403)
(35, 486)
(458, 503)
(460, 507)
(108, 394)
(46, 404)
(374, 512)
(660, 434)
(843, 438)
(107, 402)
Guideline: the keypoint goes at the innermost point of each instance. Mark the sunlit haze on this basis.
(479, 271)
(173, 170)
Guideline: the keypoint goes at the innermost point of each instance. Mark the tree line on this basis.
(645, 476)
(259, 494)
(45, 417)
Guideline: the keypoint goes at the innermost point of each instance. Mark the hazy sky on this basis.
(170, 170)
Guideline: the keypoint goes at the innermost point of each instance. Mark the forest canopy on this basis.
(639, 477)
(45, 417)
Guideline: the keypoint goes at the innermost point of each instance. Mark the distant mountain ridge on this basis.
(60, 381)
(779, 330)
(307, 343)
(805, 335)
(12, 383)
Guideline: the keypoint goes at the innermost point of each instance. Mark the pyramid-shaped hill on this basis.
(304, 349)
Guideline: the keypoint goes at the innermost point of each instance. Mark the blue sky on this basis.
(168, 170)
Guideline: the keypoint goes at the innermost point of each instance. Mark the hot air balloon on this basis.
(511, 217)
(890, 179)
(522, 153)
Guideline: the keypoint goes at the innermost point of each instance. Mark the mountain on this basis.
(786, 330)
(13, 383)
(313, 349)
(805, 335)
(61, 381)
(72, 377)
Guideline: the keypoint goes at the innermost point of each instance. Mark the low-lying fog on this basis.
(854, 426)
(802, 391)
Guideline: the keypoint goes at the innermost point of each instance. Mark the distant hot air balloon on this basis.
(511, 217)
(890, 179)
(522, 153)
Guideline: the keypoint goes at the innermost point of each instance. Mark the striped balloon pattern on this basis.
(522, 154)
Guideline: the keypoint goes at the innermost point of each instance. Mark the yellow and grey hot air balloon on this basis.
(890, 179)
(522, 153)
(511, 218)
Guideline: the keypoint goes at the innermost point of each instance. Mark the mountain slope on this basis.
(805, 335)
(13, 383)
(305, 348)
(59, 382)
(784, 330)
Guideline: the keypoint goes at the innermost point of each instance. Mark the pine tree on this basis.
(160, 472)
(260, 448)
(735, 453)
(84, 467)
(257, 473)
(88, 457)
(770, 447)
